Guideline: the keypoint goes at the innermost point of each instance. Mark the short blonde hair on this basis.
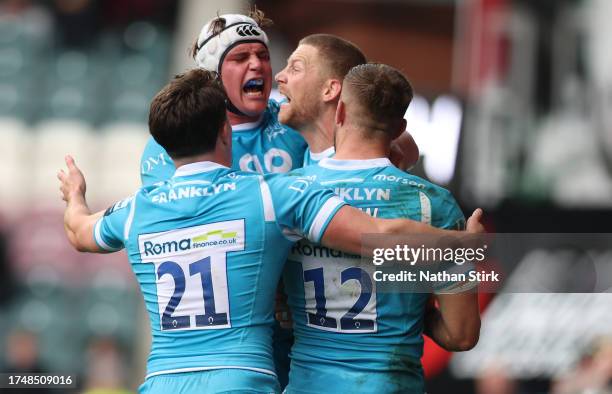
(338, 55)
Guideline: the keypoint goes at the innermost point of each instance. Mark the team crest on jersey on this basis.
(274, 130)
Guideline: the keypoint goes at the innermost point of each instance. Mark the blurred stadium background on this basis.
(513, 113)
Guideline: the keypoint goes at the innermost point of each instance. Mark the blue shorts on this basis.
(311, 379)
(281, 345)
(217, 381)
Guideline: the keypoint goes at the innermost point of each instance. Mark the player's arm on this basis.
(322, 217)
(79, 222)
(404, 151)
(348, 224)
(455, 323)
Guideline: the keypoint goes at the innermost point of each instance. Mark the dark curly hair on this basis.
(187, 114)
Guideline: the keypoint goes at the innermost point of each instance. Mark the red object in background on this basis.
(483, 46)
(435, 359)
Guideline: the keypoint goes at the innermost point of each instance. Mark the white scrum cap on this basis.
(238, 29)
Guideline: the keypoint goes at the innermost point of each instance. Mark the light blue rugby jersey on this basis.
(208, 247)
(314, 158)
(383, 331)
(266, 146)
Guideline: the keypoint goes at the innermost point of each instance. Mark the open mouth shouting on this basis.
(286, 98)
(254, 87)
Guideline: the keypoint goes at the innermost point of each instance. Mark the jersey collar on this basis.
(323, 154)
(248, 126)
(197, 168)
(354, 164)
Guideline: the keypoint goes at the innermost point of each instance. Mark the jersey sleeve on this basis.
(155, 164)
(446, 213)
(109, 231)
(302, 207)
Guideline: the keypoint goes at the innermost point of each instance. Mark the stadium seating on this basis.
(16, 163)
(91, 102)
(53, 139)
(120, 147)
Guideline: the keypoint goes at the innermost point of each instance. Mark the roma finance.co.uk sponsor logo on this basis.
(208, 239)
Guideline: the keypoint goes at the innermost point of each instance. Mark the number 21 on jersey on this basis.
(191, 273)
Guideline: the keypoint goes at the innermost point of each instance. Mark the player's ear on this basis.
(340, 113)
(331, 90)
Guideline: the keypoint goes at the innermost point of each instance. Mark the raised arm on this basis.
(79, 222)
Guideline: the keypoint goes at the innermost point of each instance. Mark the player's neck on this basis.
(358, 152)
(236, 119)
(320, 134)
(350, 145)
(215, 157)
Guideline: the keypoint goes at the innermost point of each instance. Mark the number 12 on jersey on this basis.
(340, 299)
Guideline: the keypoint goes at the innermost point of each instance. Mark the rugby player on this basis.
(312, 82)
(236, 47)
(208, 245)
(366, 341)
